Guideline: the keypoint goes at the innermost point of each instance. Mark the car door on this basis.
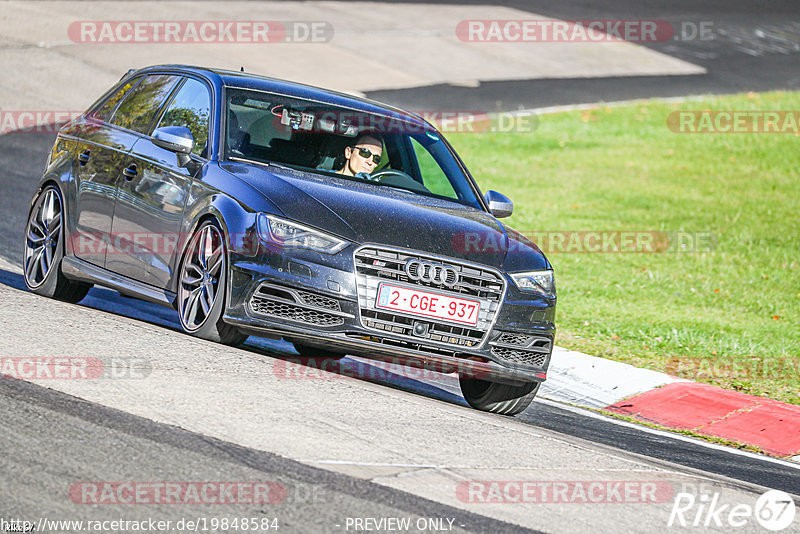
(133, 118)
(150, 206)
(102, 152)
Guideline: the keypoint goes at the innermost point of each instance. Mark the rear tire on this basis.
(44, 250)
(498, 398)
(202, 287)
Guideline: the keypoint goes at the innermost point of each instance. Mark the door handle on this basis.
(130, 172)
(85, 156)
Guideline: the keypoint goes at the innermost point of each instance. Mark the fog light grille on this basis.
(513, 338)
(526, 357)
(296, 305)
(522, 348)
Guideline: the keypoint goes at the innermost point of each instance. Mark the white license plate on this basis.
(427, 304)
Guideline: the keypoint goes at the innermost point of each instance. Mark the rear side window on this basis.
(191, 107)
(107, 109)
(140, 105)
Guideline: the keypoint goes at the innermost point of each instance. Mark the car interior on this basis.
(309, 136)
(263, 134)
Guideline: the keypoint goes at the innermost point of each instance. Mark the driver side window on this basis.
(191, 107)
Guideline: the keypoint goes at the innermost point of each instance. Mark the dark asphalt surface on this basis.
(51, 441)
(755, 47)
(22, 160)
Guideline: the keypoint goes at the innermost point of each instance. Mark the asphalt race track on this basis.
(53, 440)
(385, 444)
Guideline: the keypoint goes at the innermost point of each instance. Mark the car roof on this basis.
(246, 80)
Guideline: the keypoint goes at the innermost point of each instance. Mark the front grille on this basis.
(296, 305)
(387, 265)
(520, 348)
(375, 265)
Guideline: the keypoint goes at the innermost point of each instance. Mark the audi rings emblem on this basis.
(431, 273)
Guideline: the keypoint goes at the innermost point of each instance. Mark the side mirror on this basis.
(176, 139)
(500, 205)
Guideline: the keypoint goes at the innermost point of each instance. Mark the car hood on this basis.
(368, 213)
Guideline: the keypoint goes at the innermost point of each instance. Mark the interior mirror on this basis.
(176, 139)
(500, 205)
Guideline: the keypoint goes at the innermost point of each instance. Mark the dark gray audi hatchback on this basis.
(255, 206)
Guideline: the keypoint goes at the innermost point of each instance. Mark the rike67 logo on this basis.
(775, 510)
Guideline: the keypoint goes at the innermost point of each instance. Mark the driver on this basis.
(363, 156)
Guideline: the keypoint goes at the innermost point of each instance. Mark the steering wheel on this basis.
(379, 176)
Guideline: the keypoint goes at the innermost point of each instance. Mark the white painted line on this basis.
(796, 458)
(672, 435)
(378, 464)
(547, 110)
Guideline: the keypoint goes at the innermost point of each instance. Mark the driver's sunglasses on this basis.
(366, 153)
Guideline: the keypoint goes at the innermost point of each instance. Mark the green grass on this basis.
(728, 317)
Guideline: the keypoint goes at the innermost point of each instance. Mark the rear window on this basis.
(106, 109)
(140, 105)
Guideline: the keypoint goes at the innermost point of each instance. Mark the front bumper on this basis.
(328, 302)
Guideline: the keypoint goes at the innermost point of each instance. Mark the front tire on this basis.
(44, 250)
(202, 287)
(498, 398)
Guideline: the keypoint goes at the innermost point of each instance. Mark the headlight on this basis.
(541, 282)
(287, 233)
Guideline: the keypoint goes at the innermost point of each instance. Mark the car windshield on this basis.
(325, 139)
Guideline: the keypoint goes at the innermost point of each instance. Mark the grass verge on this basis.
(721, 304)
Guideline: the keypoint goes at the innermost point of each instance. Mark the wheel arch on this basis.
(66, 226)
(59, 175)
(232, 218)
(213, 326)
(45, 182)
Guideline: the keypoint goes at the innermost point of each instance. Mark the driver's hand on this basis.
(366, 176)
